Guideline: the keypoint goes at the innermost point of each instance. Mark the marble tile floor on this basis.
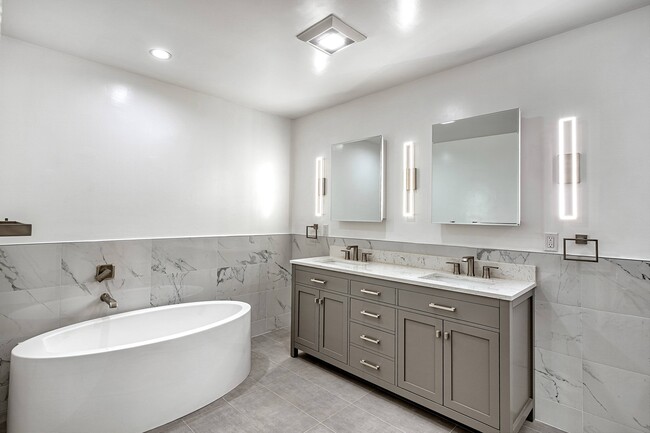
(285, 395)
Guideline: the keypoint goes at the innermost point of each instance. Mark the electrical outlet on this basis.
(550, 241)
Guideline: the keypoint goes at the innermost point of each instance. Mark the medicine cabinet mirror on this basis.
(357, 181)
(476, 170)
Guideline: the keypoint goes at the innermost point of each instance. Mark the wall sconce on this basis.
(410, 183)
(568, 168)
(320, 186)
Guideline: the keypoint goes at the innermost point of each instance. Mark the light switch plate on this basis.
(550, 241)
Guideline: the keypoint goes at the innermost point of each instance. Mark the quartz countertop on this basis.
(497, 288)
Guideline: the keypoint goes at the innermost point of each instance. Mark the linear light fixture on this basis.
(330, 35)
(409, 179)
(573, 174)
(320, 186)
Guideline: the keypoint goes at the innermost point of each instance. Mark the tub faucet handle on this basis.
(109, 300)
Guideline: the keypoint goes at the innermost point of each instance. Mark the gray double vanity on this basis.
(460, 346)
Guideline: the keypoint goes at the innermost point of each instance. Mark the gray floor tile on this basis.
(263, 370)
(177, 426)
(354, 420)
(308, 397)
(276, 351)
(339, 384)
(273, 413)
(281, 335)
(320, 428)
(541, 427)
(403, 415)
(220, 419)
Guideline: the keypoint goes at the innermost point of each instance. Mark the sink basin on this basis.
(343, 264)
(457, 279)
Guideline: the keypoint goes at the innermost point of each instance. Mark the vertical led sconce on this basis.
(568, 168)
(409, 180)
(320, 186)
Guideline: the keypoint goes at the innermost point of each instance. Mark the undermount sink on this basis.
(343, 264)
(447, 278)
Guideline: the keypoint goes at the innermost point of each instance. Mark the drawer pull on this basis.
(370, 292)
(442, 307)
(373, 315)
(367, 364)
(370, 340)
(314, 280)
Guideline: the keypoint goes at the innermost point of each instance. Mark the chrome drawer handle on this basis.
(314, 280)
(370, 292)
(442, 307)
(367, 364)
(373, 315)
(371, 340)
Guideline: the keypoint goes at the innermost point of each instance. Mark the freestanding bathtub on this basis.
(129, 372)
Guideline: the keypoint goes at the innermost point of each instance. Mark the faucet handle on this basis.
(456, 267)
(346, 254)
(486, 271)
(365, 256)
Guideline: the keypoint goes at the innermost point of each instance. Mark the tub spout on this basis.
(112, 303)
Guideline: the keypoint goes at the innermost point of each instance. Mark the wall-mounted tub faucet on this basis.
(105, 272)
(106, 297)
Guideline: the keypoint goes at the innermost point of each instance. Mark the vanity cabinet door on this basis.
(419, 355)
(306, 316)
(472, 372)
(334, 326)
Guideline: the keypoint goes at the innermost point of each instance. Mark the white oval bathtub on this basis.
(129, 372)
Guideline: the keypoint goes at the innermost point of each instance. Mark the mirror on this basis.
(358, 180)
(475, 170)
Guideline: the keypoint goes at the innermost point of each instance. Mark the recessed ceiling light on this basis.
(330, 35)
(160, 54)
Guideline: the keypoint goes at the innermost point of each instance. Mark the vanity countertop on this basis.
(497, 288)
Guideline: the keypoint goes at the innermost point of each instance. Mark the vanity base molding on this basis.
(473, 365)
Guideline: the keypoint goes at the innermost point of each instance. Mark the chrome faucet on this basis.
(106, 297)
(470, 265)
(354, 252)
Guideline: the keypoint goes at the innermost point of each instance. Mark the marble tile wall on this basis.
(592, 333)
(46, 286)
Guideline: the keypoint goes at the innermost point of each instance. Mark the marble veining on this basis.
(494, 288)
(589, 317)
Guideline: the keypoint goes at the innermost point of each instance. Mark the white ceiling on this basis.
(246, 51)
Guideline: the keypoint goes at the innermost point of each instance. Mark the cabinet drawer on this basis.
(469, 311)
(321, 281)
(372, 364)
(372, 339)
(373, 314)
(373, 292)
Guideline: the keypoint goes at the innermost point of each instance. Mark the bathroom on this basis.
(195, 178)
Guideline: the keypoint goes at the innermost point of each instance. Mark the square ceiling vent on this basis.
(330, 35)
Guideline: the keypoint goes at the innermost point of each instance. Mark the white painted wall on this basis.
(599, 73)
(90, 152)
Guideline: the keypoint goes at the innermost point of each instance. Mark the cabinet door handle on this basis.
(438, 333)
(446, 335)
(371, 340)
(367, 364)
(373, 315)
(370, 292)
(314, 280)
(442, 307)
(318, 300)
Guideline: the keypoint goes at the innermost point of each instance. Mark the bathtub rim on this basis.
(37, 353)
